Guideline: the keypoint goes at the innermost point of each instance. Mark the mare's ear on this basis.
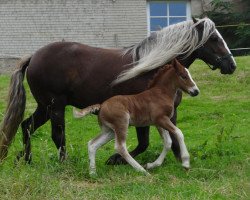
(198, 26)
(194, 20)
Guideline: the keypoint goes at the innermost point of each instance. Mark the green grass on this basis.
(216, 127)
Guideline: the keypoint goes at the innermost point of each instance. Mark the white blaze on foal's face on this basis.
(193, 90)
(187, 84)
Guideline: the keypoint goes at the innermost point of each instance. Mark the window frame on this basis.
(188, 12)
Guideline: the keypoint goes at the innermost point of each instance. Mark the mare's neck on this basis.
(188, 61)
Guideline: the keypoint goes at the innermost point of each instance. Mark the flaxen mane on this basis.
(162, 46)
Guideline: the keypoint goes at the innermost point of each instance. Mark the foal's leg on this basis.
(120, 146)
(94, 144)
(168, 125)
(167, 142)
(58, 125)
(37, 119)
(143, 139)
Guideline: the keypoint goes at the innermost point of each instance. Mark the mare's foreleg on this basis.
(143, 142)
(175, 144)
(37, 119)
(167, 142)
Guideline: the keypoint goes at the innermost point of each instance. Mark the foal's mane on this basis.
(159, 48)
(158, 75)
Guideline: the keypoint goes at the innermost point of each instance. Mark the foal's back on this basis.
(140, 109)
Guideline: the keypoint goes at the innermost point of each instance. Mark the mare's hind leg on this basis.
(58, 125)
(37, 119)
(143, 142)
(167, 142)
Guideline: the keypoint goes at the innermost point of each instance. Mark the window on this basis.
(165, 13)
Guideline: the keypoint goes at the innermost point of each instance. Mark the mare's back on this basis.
(81, 73)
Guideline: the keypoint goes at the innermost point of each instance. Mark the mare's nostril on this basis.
(233, 66)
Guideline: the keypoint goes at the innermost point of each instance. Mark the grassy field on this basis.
(216, 126)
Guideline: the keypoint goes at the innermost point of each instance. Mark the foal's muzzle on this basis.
(194, 92)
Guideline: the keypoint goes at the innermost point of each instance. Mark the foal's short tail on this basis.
(15, 107)
(94, 109)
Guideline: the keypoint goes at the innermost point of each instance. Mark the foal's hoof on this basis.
(93, 175)
(147, 173)
(116, 159)
(186, 164)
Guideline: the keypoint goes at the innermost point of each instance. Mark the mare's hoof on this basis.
(116, 159)
(27, 158)
(62, 156)
(19, 155)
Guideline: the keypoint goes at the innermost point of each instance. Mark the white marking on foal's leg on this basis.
(183, 149)
(167, 143)
(95, 144)
(122, 150)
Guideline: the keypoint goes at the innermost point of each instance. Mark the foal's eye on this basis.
(183, 77)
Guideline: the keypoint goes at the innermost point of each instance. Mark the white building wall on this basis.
(28, 25)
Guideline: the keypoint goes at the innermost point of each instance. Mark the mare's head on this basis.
(214, 51)
(184, 80)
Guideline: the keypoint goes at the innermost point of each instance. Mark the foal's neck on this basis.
(167, 83)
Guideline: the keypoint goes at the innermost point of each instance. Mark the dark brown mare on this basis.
(67, 73)
(154, 106)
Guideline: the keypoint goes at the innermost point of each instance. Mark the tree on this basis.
(222, 14)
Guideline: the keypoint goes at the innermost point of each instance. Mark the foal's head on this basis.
(184, 80)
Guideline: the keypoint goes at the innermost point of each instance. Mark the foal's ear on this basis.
(175, 64)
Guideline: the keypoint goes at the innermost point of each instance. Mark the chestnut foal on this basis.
(154, 106)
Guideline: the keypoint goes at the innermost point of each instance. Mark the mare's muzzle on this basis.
(224, 63)
(227, 66)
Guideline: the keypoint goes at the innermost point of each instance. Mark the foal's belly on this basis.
(140, 121)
